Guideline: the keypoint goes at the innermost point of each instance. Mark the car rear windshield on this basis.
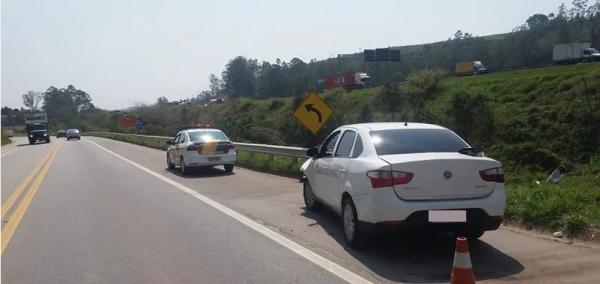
(207, 136)
(407, 141)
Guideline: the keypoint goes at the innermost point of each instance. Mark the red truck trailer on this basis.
(347, 81)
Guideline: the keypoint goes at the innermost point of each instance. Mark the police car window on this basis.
(345, 145)
(176, 140)
(207, 136)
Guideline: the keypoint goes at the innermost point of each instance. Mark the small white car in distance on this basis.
(200, 146)
(404, 175)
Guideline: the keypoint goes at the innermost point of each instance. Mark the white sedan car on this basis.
(405, 175)
(200, 147)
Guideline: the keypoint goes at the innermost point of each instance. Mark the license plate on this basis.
(214, 159)
(447, 216)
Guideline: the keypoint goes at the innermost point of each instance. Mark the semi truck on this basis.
(574, 52)
(348, 81)
(469, 68)
(36, 127)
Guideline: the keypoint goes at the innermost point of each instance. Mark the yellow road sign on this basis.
(313, 113)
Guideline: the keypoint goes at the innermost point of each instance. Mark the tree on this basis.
(537, 21)
(162, 100)
(32, 100)
(64, 106)
(215, 86)
(239, 77)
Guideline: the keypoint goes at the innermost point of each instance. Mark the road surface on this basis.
(103, 211)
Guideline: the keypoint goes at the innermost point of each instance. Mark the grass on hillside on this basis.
(571, 205)
(278, 164)
(5, 140)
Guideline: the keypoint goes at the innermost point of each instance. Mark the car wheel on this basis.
(184, 169)
(170, 165)
(228, 168)
(48, 140)
(310, 200)
(31, 142)
(352, 233)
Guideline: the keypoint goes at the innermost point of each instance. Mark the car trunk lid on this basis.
(441, 175)
(211, 147)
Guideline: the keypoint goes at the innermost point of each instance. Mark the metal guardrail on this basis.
(294, 152)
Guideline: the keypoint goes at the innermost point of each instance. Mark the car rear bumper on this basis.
(197, 160)
(477, 219)
(38, 138)
(383, 206)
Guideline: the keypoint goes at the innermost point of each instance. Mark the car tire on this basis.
(170, 165)
(184, 169)
(310, 200)
(48, 140)
(228, 168)
(352, 233)
(31, 142)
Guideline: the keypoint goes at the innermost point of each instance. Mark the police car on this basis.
(200, 146)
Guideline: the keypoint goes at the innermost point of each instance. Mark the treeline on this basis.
(527, 45)
(66, 108)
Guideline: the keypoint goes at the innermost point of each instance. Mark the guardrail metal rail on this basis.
(271, 150)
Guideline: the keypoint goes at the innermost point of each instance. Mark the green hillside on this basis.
(532, 119)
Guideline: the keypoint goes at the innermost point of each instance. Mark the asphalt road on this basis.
(92, 216)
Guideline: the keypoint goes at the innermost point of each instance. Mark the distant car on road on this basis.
(73, 134)
(401, 175)
(199, 146)
(61, 133)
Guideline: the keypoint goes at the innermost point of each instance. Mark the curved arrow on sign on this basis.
(310, 108)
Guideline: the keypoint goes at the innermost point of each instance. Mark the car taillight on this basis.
(231, 146)
(388, 178)
(192, 147)
(493, 174)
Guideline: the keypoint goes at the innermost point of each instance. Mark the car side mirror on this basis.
(169, 142)
(312, 152)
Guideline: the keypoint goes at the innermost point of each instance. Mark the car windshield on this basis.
(207, 136)
(73, 131)
(36, 127)
(408, 141)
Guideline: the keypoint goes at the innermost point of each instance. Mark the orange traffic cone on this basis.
(462, 272)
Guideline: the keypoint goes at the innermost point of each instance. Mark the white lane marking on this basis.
(324, 263)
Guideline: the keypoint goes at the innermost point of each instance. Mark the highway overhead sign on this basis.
(313, 113)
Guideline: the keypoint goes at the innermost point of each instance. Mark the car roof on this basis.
(374, 126)
(202, 129)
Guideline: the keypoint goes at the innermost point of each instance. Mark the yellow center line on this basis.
(15, 195)
(17, 216)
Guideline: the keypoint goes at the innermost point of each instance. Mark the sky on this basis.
(128, 52)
